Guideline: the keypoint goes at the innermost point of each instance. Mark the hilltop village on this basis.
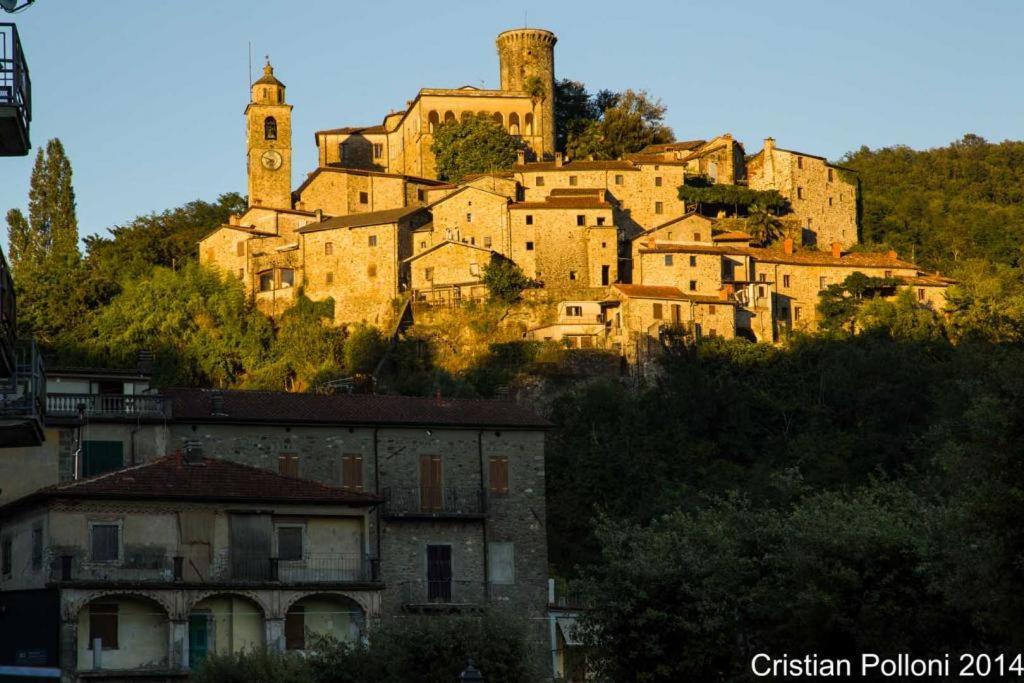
(609, 242)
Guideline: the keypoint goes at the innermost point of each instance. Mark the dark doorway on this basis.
(439, 573)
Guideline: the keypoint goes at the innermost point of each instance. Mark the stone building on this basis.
(424, 505)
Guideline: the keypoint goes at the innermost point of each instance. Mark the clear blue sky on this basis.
(148, 95)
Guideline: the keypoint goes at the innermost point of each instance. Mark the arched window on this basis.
(270, 128)
(528, 124)
(449, 117)
(513, 123)
(433, 121)
(466, 115)
(498, 119)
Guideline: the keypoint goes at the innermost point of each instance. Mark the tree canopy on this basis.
(629, 121)
(475, 144)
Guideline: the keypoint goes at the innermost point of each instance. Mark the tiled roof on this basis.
(353, 130)
(445, 244)
(173, 478)
(586, 202)
(677, 219)
(681, 146)
(807, 257)
(731, 236)
(927, 280)
(577, 191)
(361, 220)
(576, 165)
(670, 293)
(311, 176)
(277, 407)
(241, 228)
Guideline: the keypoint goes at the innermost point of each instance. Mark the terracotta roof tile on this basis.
(670, 293)
(353, 130)
(361, 220)
(586, 202)
(172, 478)
(277, 407)
(576, 165)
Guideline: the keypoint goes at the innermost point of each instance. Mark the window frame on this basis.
(118, 524)
(501, 461)
(301, 526)
(114, 615)
(287, 459)
(497, 578)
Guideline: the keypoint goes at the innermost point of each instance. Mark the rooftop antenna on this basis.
(250, 65)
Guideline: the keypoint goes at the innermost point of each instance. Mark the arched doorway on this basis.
(323, 615)
(132, 631)
(513, 123)
(224, 623)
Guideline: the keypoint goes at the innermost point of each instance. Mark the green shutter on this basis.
(99, 457)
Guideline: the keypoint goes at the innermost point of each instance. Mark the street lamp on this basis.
(470, 673)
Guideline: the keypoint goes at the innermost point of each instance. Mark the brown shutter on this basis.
(288, 464)
(352, 472)
(499, 474)
(430, 482)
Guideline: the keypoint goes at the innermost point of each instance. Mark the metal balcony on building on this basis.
(23, 400)
(442, 595)
(433, 502)
(8, 322)
(15, 94)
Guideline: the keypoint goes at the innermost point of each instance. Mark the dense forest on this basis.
(840, 493)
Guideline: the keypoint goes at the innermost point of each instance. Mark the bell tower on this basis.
(268, 123)
(526, 59)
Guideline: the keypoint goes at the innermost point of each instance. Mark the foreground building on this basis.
(352, 508)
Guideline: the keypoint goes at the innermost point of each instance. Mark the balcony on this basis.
(442, 595)
(108, 406)
(156, 569)
(8, 322)
(431, 502)
(15, 94)
(23, 400)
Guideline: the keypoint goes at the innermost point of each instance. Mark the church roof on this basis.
(268, 77)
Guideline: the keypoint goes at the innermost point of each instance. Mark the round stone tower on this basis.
(524, 56)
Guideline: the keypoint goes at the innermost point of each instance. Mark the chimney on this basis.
(233, 219)
(300, 206)
(769, 145)
(892, 254)
(558, 160)
(319, 215)
(521, 157)
(787, 246)
(837, 249)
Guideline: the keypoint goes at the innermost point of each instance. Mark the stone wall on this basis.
(475, 216)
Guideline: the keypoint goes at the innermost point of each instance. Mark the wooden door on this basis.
(431, 492)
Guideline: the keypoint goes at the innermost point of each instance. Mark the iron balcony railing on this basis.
(434, 501)
(107, 405)
(163, 568)
(24, 394)
(442, 592)
(15, 88)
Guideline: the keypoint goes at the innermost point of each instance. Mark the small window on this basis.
(618, 179)
(572, 274)
(103, 625)
(499, 475)
(469, 218)
(529, 246)
(501, 561)
(371, 240)
(693, 285)
(711, 309)
(328, 248)
(352, 472)
(712, 333)
(364, 197)
(696, 237)
(5, 561)
(428, 274)
(799, 162)
(659, 207)
(420, 195)
(693, 261)
(668, 259)
(573, 311)
(330, 278)
(762, 277)
(529, 219)
(799, 193)
(423, 244)
(830, 201)
(760, 291)
(105, 542)
(266, 280)
(830, 180)
(657, 181)
(288, 464)
(487, 241)
(656, 312)
(287, 278)
(474, 269)
(269, 128)
(796, 313)
(378, 150)
(600, 220)
(240, 248)
(573, 181)
(371, 270)
(888, 273)
(581, 219)
(540, 181)
(920, 293)
(241, 273)
(37, 547)
(289, 543)
(785, 281)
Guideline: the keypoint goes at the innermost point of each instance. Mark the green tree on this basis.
(901, 318)
(364, 348)
(505, 280)
(762, 225)
(839, 303)
(474, 145)
(633, 121)
(712, 197)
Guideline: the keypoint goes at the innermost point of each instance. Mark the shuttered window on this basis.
(295, 629)
(352, 472)
(105, 542)
(288, 464)
(499, 475)
(103, 625)
(289, 543)
(501, 561)
(430, 483)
